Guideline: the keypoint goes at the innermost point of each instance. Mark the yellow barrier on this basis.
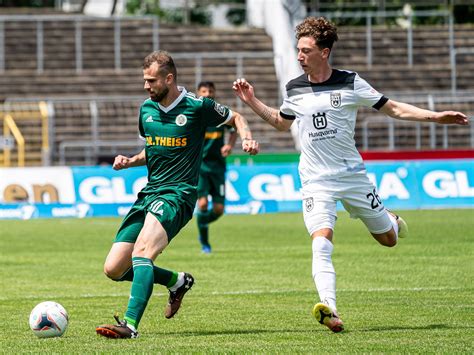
(9, 125)
(15, 112)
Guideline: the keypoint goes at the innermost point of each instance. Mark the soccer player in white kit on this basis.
(324, 102)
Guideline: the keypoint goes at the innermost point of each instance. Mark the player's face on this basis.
(310, 56)
(156, 84)
(206, 92)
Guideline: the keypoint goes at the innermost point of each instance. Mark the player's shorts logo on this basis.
(181, 120)
(335, 99)
(319, 120)
(308, 204)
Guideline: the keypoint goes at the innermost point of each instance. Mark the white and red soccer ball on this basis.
(48, 319)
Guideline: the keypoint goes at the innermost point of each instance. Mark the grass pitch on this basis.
(254, 293)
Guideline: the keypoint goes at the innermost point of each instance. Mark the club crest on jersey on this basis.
(308, 204)
(319, 120)
(219, 109)
(335, 99)
(181, 120)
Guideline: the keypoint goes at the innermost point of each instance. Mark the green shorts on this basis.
(171, 206)
(212, 184)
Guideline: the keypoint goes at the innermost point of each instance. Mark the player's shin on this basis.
(207, 217)
(203, 228)
(142, 287)
(323, 271)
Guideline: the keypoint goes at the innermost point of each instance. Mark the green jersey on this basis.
(174, 138)
(212, 159)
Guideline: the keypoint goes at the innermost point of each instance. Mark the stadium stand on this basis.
(95, 97)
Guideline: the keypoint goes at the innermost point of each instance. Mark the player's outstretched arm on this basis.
(407, 112)
(123, 162)
(249, 145)
(245, 92)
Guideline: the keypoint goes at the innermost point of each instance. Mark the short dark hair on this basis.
(321, 29)
(165, 63)
(206, 84)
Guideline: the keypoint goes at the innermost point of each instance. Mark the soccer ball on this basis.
(48, 319)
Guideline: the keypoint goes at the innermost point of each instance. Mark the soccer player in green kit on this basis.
(173, 123)
(212, 173)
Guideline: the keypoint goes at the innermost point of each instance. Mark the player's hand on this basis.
(121, 162)
(452, 117)
(243, 90)
(250, 146)
(226, 150)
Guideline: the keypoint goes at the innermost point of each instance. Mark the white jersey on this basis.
(326, 114)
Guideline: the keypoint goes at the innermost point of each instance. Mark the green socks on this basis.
(203, 220)
(142, 287)
(207, 217)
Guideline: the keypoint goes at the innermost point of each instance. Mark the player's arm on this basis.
(407, 112)
(249, 145)
(227, 148)
(123, 162)
(246, 93)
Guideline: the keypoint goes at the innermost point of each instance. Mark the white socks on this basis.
(323, 271)
(394, 223)
(179, 282)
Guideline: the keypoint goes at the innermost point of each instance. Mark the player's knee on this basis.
(388, 239)
(202, 204)
(111, 273)
(390, 242)
(218, 210)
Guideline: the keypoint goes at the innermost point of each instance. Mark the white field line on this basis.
(243, 292)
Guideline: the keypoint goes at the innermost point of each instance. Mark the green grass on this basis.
(254, 293)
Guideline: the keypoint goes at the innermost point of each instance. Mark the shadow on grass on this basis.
(311, 331)
(424, 327)
(238, 332)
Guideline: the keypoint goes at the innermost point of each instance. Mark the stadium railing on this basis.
(371, 15)
(419, 136)
(78, 20)
(109, 126)
(453, 58)
(239, 66)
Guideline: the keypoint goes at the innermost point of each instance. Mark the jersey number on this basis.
(375, 200)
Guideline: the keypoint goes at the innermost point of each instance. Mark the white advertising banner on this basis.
(37, 185)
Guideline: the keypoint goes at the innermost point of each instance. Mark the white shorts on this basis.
(358, 196)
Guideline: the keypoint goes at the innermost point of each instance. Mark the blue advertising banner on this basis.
(250, 189)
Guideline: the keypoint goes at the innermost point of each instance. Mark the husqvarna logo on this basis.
(319, 120)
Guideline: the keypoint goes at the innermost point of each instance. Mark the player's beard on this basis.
(159, 96)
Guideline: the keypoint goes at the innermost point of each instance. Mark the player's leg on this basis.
(203, 227)
(163, 221)
(151, 241)
(361, 200)
(216, 186)
(118, 264)
(319, 212)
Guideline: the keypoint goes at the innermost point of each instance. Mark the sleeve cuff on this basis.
(383, 100)
(287, 117)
